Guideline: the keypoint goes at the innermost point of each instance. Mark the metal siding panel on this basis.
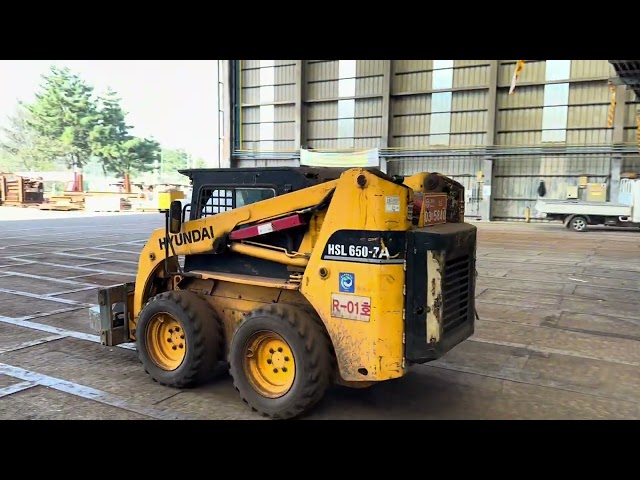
(631, 163)
(285, 74)
(589, 93)
(631, 115)
(322, 90)
(370, 107)
(468, 122)
(412, 82)
(410, 124)
(469, 100)
(471, 77)
(324, 129)
(590, 68)
(469, 63)
(250, 64)
(590, 116)
(323, 144)
(411, 104)
(322, 71)
(322, 111)
(250, 78)
(250, 96)
(412, 65)
(285, 63)
(468, 140)
(369, 86)
(589, 137)
(367, 143)
(251, 114)
(284, 145)
(369, 67)
(284, 131)
(524, 119)
(284, 113)
(368, 127)
(531, 73)
(523, 96)
(285, 93)
(519, 138)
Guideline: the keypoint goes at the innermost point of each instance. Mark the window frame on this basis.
(233, 188)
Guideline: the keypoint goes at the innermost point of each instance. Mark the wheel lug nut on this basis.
(275, 370)
(284, 369)
(286, 359)
(271, 350)
(280, 349)
(174, 347)
(269, 361)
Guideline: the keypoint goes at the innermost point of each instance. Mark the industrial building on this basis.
(456, 117)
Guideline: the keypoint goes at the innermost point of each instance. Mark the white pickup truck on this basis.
(578, 214)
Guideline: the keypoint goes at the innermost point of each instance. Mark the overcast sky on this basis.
(175, 101)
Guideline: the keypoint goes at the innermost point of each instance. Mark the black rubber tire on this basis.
(312, 351)
(578, 224)
(204, 338)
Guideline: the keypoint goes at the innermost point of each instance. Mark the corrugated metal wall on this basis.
(444, 115)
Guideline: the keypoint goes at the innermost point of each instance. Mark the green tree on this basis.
(66, 114)
(138, 155)
(174, 160)
(109, 136)
(200, 163)
(25, 145)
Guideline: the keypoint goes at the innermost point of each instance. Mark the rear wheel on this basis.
(179, 339)
(578, 224)
(281, 361)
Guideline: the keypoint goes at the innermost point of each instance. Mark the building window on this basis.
(347, 107)
(557, 70)
(267, 112)
(442, 75)
(555, 112)
(440, 121)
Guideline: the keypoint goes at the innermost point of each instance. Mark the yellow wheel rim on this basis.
(166, 342)
(269, 364)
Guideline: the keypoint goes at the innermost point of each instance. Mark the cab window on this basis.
(220, 199)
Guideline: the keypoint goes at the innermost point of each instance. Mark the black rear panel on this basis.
(456, 244)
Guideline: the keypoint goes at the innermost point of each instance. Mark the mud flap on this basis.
(115, 306)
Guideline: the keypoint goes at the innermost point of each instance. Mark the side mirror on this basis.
(175, 217)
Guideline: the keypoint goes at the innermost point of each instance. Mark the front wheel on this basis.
(179, 339)
(281, 361)
(578, 224)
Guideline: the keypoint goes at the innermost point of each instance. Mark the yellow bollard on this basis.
(527, 214)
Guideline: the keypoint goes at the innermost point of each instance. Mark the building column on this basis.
(227, 127)
(617, 139)
(300, 105)
(486, 195)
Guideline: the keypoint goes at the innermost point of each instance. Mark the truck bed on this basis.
(607, 209)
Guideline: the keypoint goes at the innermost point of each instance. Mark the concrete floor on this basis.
(558, 336)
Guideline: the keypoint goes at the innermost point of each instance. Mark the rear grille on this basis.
(456, 283)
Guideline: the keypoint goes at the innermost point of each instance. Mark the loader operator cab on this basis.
(299, 278)
(221, 190)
